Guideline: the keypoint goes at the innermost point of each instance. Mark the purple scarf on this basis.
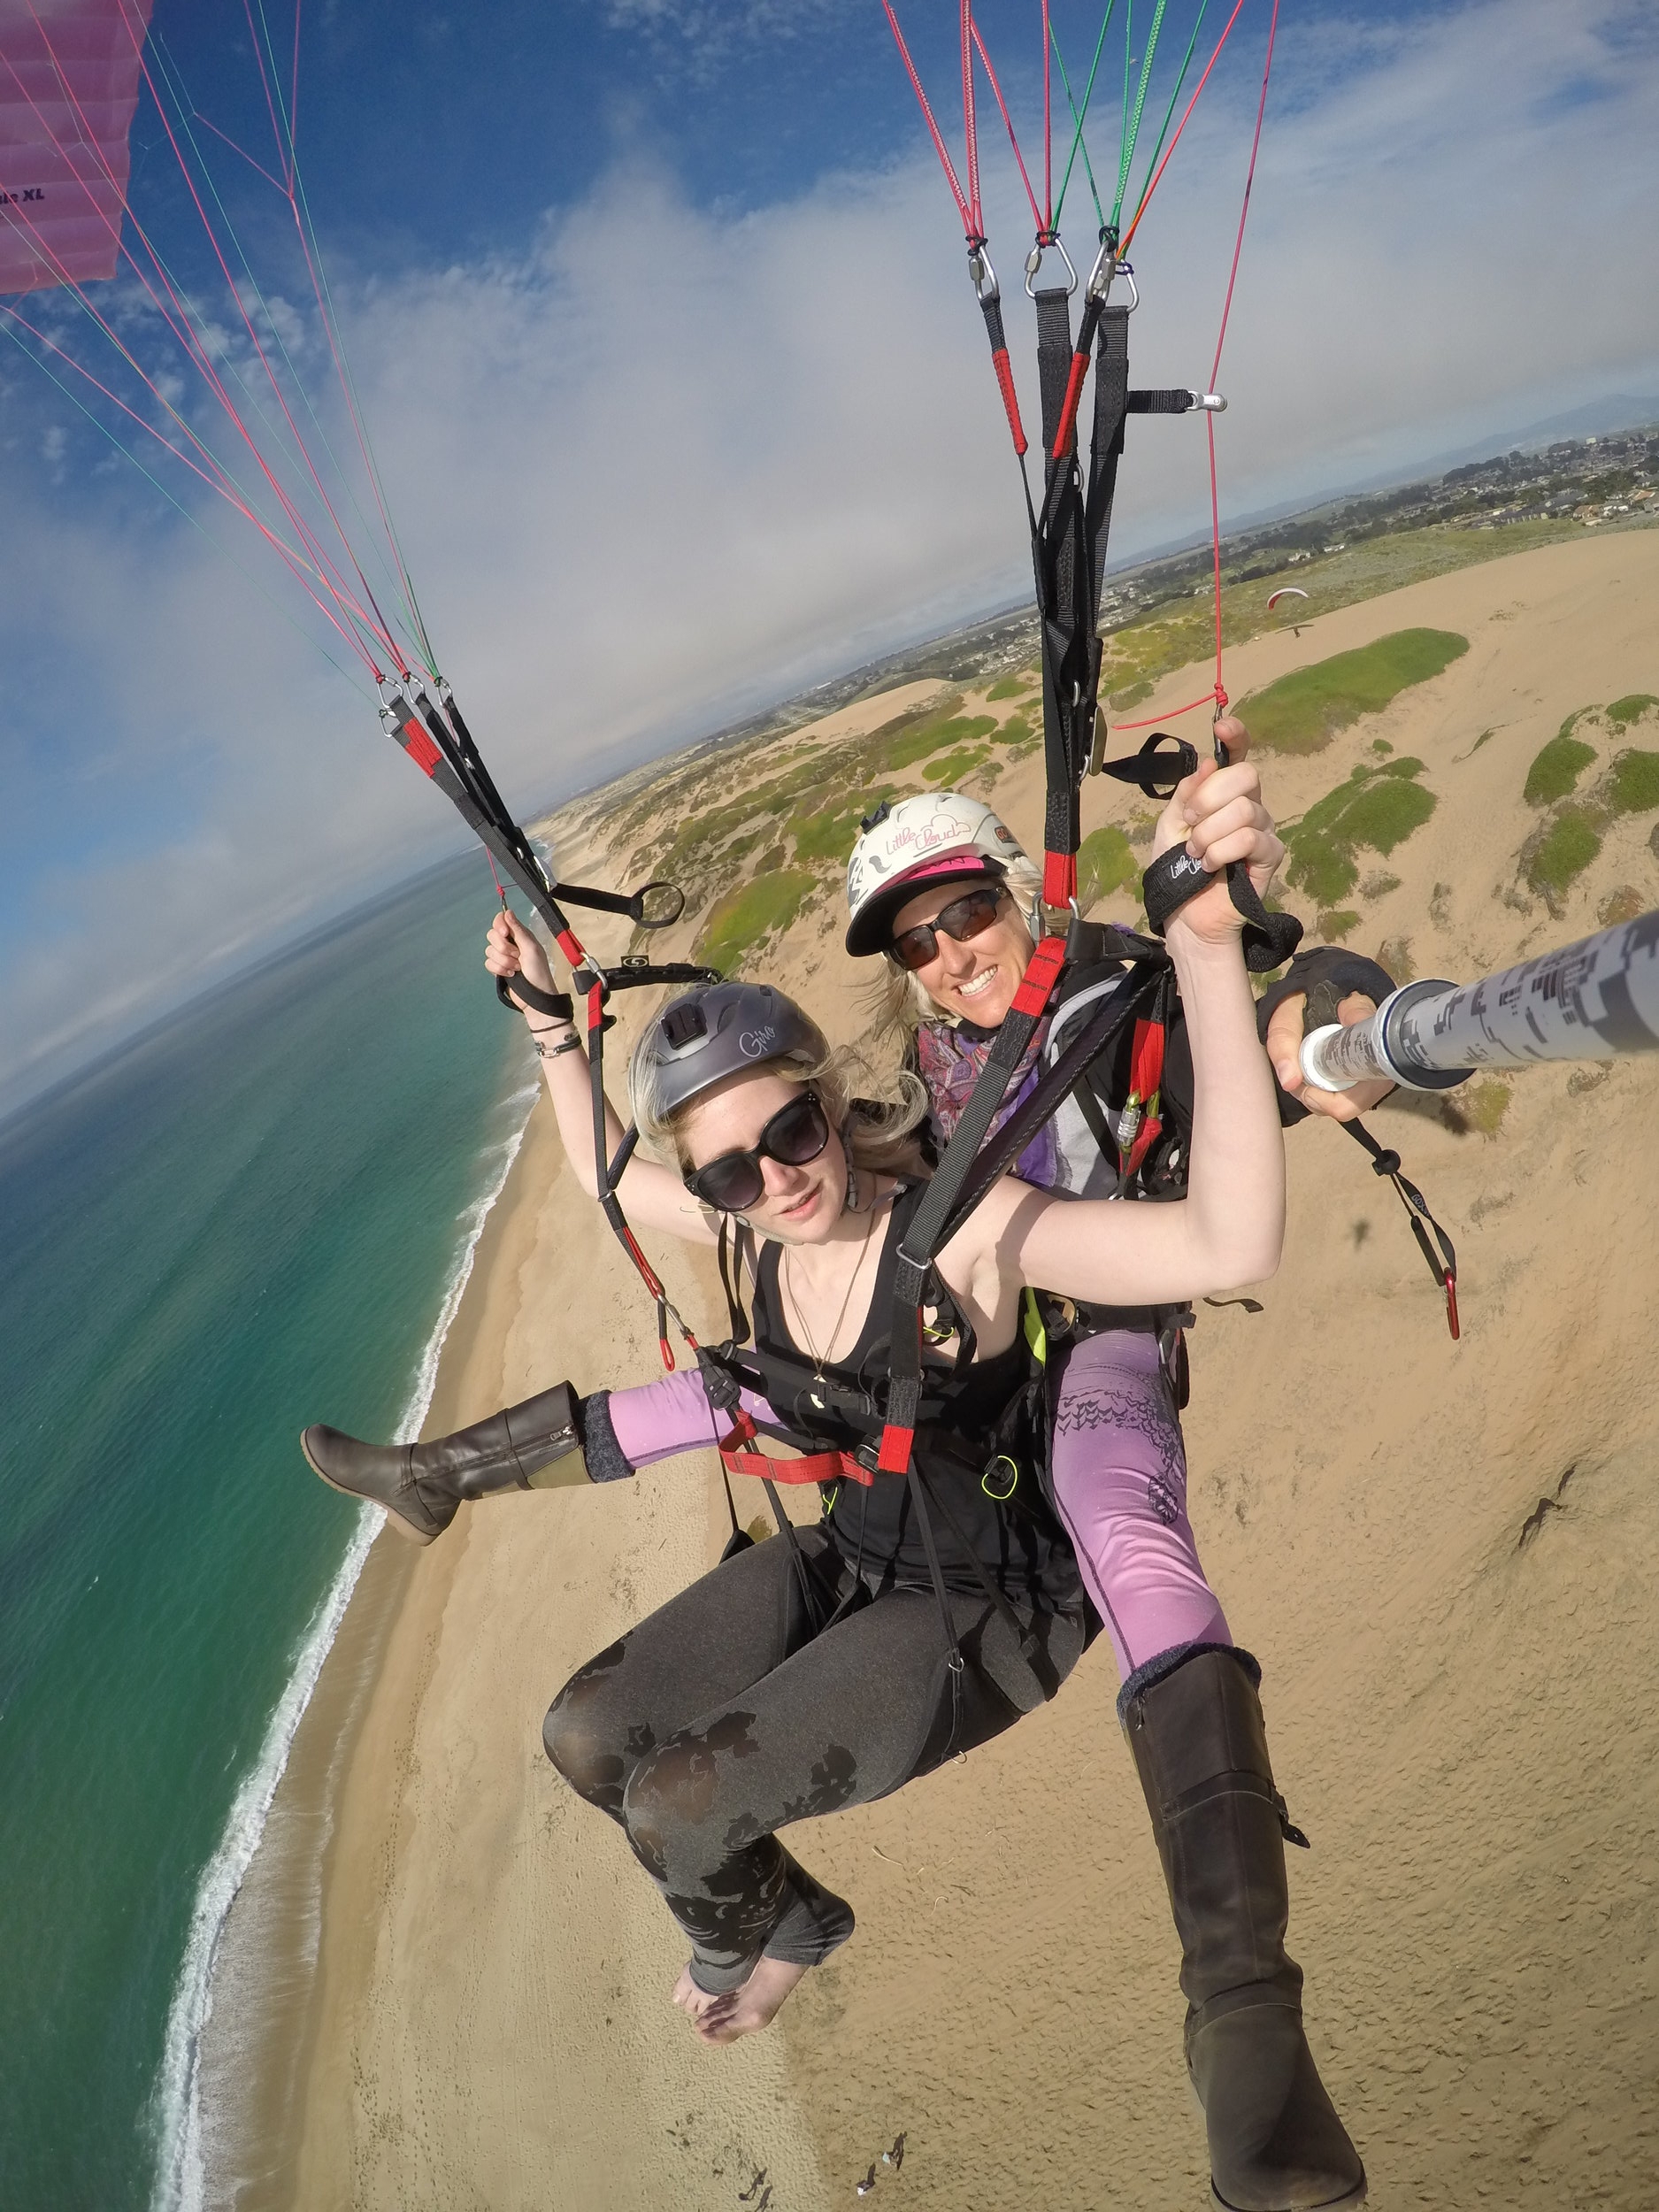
(950, 1062)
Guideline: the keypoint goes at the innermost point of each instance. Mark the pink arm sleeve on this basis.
(659, 1419)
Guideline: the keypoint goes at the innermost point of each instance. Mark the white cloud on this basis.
(673, 461)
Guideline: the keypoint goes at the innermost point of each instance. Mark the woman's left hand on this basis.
(1218, 815)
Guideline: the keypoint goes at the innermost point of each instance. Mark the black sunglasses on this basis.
(962, 919)
(796, 1134)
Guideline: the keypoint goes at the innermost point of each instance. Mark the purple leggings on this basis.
(1119, 1481)
(1119, 1472)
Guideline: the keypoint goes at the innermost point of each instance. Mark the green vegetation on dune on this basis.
(1010, 686)
(930, 735)
(1106, 861)
(750, 913)
(1334, 924)
(1631, 708)
(1303, 711)
(954, 768)
(1377, 808)
(829, 836)
(1634, 785)
(1558, 766)
(1555, 856)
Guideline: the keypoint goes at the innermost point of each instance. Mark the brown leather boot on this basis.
(421, 1485)
(1199, 1746)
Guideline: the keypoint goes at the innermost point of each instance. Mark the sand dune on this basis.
(1458, 1676)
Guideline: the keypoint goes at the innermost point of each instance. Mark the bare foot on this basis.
(738, 2011)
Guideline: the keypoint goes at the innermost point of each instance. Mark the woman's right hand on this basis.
(512, 949)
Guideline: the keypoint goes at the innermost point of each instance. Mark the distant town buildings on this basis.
(1589, 480)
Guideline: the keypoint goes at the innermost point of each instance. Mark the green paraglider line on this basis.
(195, 521)
(1079, 115)
(1187, 58)
(1131, 129)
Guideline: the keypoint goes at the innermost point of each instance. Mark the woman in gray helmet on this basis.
(793, 1679)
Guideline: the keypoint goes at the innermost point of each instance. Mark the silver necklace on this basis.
(820, 1359)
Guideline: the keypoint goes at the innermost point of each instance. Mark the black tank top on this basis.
(1017, 1538)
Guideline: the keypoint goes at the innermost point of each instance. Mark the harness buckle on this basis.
(1213, 403)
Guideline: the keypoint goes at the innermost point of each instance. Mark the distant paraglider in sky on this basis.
(1288, 591)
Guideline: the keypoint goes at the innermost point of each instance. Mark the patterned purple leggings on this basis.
(1120, 1483)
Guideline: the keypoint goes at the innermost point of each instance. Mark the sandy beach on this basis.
(1457, 1678)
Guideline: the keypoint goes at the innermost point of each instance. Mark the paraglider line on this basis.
(939, 148)
(1036, 212)
(1186, 118)
(1079, 115)
(186, 337)
(195, 521)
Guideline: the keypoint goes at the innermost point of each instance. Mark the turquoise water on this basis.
(251, 1219)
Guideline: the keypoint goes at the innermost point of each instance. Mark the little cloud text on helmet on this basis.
(919, 837)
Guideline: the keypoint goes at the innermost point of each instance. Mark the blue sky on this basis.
(659, 314)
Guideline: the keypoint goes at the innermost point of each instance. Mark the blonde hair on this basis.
(897, 1001)
(875, 1116)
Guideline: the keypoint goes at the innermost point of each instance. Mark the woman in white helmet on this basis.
(939, 887)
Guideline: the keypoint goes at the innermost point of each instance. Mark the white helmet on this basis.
(939, 837)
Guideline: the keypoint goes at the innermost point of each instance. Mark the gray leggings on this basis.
(729, 1712)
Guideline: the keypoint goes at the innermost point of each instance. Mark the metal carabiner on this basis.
(1213, 403)
(981, 275)
(1106, 266)
(1033, 262)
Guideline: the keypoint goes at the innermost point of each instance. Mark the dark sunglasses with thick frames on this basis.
(963, 918)
(795, 1136)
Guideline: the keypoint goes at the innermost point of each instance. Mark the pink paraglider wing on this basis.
(68, 87)
(1284, 591)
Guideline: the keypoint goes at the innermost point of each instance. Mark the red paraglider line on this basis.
(303, 574)
(1037, 215)
(265, 83)
(939, 148)
(380, 623)
(970, 128)
(336, 353)
(1048, 123)
(1221, 337)
(1218, 692)
(326, 571)
(207, 123)
(377, 623)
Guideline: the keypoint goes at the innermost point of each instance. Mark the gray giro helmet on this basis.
(710, 1032)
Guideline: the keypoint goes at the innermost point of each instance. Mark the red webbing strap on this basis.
(817, 1467)
(1042, 972)
(1059, 878)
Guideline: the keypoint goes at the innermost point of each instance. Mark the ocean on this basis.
(259, 1215)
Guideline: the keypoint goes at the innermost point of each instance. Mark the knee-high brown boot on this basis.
(421, 1485)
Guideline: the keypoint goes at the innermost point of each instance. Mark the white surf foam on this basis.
(181, 2178)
